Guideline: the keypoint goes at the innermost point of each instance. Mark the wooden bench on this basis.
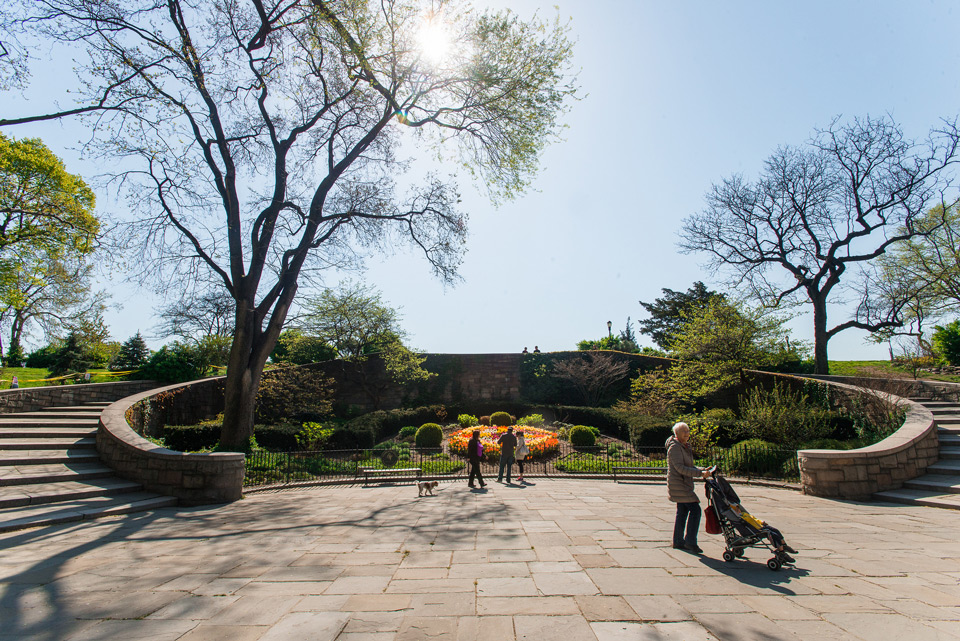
(643, 472)
(381, 474)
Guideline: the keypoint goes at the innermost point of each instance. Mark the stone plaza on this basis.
(562, 559)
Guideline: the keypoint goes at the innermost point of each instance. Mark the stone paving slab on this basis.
(561, 559)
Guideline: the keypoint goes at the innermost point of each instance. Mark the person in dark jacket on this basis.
(474, 456)
(508, 444)
(681, 473)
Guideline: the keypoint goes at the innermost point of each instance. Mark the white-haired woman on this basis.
(681, 473)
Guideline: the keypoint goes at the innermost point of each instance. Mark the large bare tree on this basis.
(854, 191)
(262, 138)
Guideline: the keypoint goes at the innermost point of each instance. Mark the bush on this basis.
(429, 435)
(293, 393)
(387, 423)
(467, 420)
(191, 438)
(582, 436)
(281, 437)
(350, 439)
(533, 420)
(42, 358)
(500, 419)
(781, 415)
(407, 432)
(755, 457)
(313, 436)
(485, 420)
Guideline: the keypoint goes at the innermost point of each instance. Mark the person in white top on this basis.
(522, 452)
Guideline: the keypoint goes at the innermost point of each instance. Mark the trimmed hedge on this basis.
(429, 435)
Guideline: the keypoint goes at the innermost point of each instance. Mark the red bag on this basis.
(712, 523)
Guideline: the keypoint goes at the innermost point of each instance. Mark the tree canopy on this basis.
(40, 202)
(262, 139)
(669, 312)
(849, 195)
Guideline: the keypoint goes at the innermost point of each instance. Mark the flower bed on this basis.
(542, 443)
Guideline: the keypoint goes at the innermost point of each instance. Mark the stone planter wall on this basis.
(858, 474)
(28, 399)
(196, 479)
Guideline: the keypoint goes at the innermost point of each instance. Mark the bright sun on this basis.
(434, 41)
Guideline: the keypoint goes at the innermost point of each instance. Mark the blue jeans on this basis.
(689, 514)
(505, 462)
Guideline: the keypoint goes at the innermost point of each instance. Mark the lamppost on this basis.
(610, 329)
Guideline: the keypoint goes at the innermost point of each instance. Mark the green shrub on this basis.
(500, 419)
(386, 423)
(190, 438)
(281, 437)
(467, 420)
(173, 363)
(292, 392)
(429, 435)
(350, 439)
(582, 436)
(313, 436)
(407, 431)
(533, 420)
(782, 415)
(755, 457)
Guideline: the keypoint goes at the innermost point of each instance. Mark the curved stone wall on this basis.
(28, 399)
(195, 479)
(858, 474)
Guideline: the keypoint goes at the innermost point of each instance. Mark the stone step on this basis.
(948, 452)
(920, 497)
(52, 473)
(45, 457)
(19, 496)
(947, 420)
(47, 432)
(939, 483)
(21, 518)
(40, 421)
(86, 407)
(945, 467)
(949, 440)
(88, 415)
(948, 431)
(47, 444)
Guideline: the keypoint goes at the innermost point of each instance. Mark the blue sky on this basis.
(676, 96)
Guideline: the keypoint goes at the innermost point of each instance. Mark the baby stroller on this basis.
(740, 529)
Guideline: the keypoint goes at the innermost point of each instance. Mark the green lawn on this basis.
(34, 376)
(882, 369)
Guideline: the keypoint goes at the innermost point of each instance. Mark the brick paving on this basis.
(559, 559)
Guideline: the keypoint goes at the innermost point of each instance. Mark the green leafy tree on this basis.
(40, 202)
(353, 319)
(296, 348)
(819, 212)
(132, 354)
(946, 342)
(669, 312)
(287, 120)
(71, 357)
(719, 340)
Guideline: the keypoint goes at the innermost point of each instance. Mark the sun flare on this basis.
(434, 41)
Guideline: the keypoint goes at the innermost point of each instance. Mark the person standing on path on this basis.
(522, 452)
(681, 472)
(474, 456)
(508, 443)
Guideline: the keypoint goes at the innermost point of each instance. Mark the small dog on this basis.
(426, 487)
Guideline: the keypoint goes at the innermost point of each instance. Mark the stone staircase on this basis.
(940, 486)
(50, 472)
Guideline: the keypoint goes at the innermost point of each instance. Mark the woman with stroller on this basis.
(681, 473)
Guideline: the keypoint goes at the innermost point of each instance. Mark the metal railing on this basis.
(743, 460)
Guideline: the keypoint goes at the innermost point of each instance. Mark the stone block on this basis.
(855, 473)
(193, 481)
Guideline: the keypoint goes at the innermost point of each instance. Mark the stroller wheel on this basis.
(739, 553)
(728, 556)
(774, 564)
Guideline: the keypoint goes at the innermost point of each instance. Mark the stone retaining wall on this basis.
(196, 479)
(29, 399)
(858, 474)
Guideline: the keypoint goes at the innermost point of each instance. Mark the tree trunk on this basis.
(244, 371)
(821, 365)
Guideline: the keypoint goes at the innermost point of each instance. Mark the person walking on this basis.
(522, 452)
(508, 444)
(681, 472)
(474, 456)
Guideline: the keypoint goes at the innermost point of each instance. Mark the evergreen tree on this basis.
(133, 353)
(71, 357)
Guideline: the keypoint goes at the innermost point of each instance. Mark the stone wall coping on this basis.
(113, 419)
(916, 426)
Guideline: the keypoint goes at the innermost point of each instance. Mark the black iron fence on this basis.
(744, 460)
